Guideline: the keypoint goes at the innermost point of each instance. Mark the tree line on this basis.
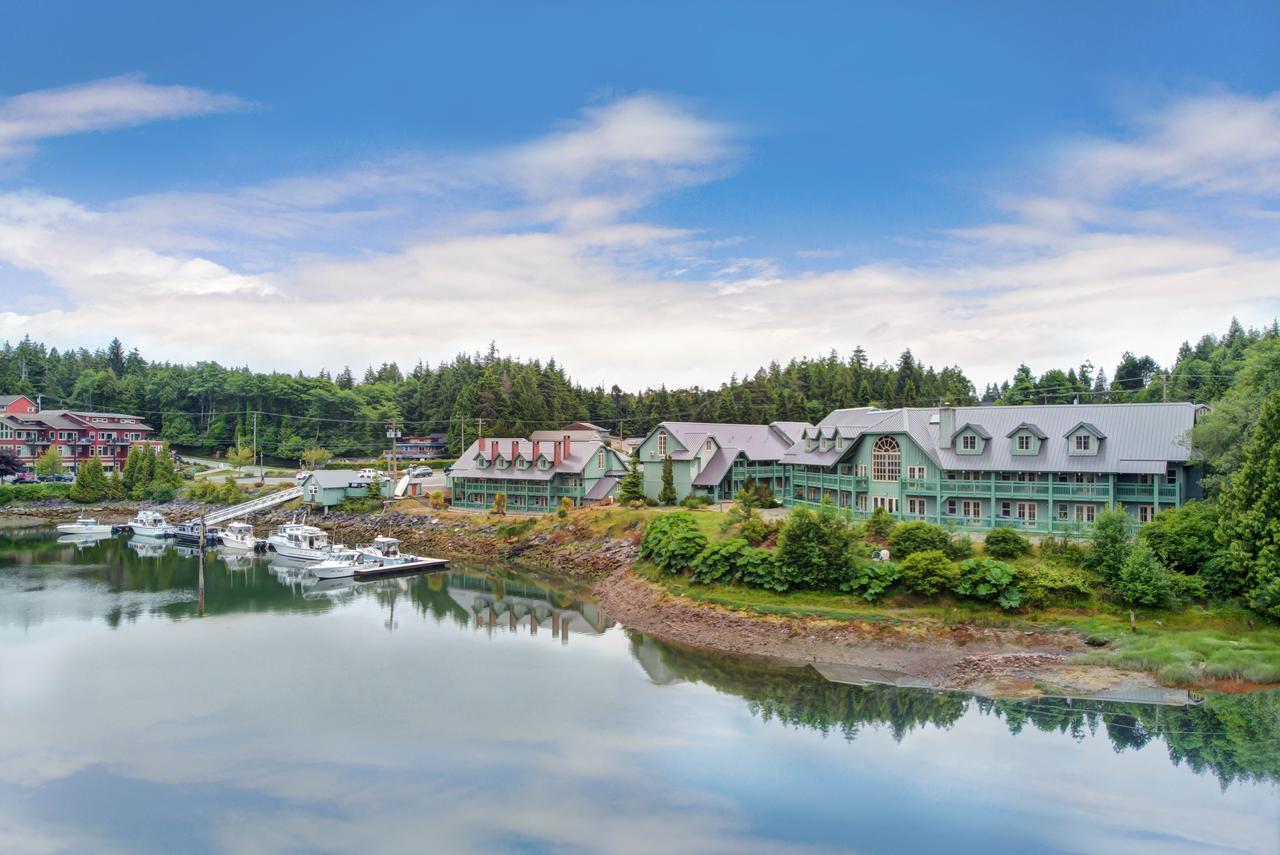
(211, 406)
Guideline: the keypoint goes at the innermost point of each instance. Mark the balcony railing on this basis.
(1146, 492)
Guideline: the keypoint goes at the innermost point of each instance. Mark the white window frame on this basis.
(886, 460)
(862, 470)
(1084, 513)
(860, 501)
(889, 503)
(968, 442)
(1084, 442)
(1024, 442)
(1006, 509)
(951, 507)
(1145, 513)
(662, 444)
(971, 508)
(1026, 511)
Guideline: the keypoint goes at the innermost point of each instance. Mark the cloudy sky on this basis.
(665, 198)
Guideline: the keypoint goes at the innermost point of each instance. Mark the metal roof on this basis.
(713, 473)
(334, 478)
(573, 464)
(757, 442)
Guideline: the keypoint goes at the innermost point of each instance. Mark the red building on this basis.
(29, 431)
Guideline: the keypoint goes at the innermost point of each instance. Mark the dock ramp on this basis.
(252, 506)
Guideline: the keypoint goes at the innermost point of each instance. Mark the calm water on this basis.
(428, 715)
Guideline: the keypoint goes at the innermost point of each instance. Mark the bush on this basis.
(929, 572)
(1189, 588)
(672, 541)
(1006, 544)
(959, 547)
(33, 492)
(733, 561)
(161, 493)
(916, 536)
(819, 550)
(1047, 584)
(756, 531)
(1109, 545)
(692, 501)
(1143, 580)
(1063, 551)
(989, 579)
(879, 526)
(871, 580)
(1185, 538)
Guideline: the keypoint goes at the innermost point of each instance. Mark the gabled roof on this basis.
(713, 473)
(757, 442)
(1030, 428)
(334, 478)
(978, 429)
(580, 453)
(1090, 428)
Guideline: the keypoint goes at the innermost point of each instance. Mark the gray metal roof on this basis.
(334, 478)
(757, 442)
(713, 473)
(601, 488)
(580, 453)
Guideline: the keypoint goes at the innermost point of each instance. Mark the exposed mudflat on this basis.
(989, 661)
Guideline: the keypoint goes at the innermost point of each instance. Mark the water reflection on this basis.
(394, 715)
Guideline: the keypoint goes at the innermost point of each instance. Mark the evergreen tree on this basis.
(632, 487)
(667, 495)
(49, 463)
(1249, 522)
(91, 482)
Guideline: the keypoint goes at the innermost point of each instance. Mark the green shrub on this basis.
(733, 561)
(672, 541)
(1109, 545)
(694, 502)
(1006, 544)
(989, 579)
(1063, 551)
(1189, 587)
(1143, 580)
(871, 580)
(161, 493)
(916, 536)
(959, 547)
(1185, 538)
(929, 572)
(879, 526)
(33, 492)
(1046, 584)
(819, 550)
(756, 531)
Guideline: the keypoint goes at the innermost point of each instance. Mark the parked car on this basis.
(422, 472)
(370, 473)
(301, 476)
(61, 477)
(24, 478)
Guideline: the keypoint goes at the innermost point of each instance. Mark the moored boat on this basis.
(189, 533)
(300, 541)
(383, 557)
(149, 524)
(86, 526)
(340, 564)
(239, 536)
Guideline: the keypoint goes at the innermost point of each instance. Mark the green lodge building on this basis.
(535, 474)
(1042, 469)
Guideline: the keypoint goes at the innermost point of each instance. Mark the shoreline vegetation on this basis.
(941, 640)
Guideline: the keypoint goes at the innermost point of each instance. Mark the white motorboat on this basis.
(305, 542)
(340, 563)
(85, 525)
(150, 524)
(239, 535)
(189, 533)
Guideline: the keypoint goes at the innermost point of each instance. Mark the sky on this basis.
(665, 193)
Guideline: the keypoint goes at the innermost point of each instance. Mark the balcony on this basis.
(1146, 492)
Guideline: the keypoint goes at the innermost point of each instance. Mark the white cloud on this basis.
(100, 105)
(540, 247)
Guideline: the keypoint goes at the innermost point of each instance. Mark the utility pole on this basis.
(392, 435)
(255, 446)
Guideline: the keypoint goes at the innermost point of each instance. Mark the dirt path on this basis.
(998, 662)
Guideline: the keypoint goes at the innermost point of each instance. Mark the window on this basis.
(1083, 442)
(889, 503)
(1171, 476)
(1145, 513)
(916, 472)
(600, 459)
(1006, 509)
(1064, 512)
(862, 470)
(1024, 442)
(951, 506)
(860, 502)
(886, 460)
(969, 442)
(711, 443)
(662, 445)
(971, 508)
(915, 506)
(1084, 478)
(1027, 511)
(1084, 513)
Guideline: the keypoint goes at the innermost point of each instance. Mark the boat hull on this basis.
(298, 553)
(72, 528)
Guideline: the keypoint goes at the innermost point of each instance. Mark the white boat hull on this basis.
(298, 553)
(72, 528)
(238, 543)
(343, 572)
(150, 530)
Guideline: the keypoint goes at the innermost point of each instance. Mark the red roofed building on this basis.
(28, 432)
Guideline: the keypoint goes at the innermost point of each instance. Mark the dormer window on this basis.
(969, 442)
(1024, 442)
(1084, 442)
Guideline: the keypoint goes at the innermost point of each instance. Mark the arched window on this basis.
(886, 459)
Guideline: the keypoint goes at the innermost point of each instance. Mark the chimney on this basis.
(536, 450)
(515, 449)
(568, 445)
(946, 426)
(494, 449)
(480, 443)
(559, 453)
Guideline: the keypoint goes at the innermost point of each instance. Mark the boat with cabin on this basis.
(240, 536)
(301, 541)
(341, 563)
(150, 524)
(189, 533)
(86, 526)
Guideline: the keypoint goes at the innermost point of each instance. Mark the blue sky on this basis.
(713, 184)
